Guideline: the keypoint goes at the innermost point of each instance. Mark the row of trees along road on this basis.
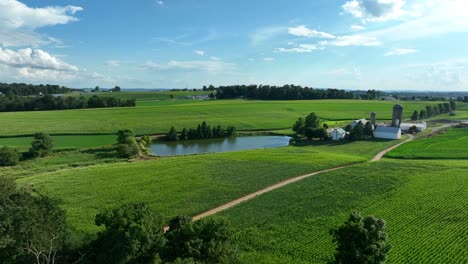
(203, 131)
(431, 111)
(49, 102)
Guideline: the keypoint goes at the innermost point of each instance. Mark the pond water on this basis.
(174, 148)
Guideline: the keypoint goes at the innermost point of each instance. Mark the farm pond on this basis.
(174, 148)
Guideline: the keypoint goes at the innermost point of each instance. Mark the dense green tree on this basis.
(357, 132)
(184, 134)
(415, 115)
(368, 130)
(429, 112)
(361, 240)
(41, 145)
(435, 110)
(116, 89)
(320, 133)
(127, 146)
(204, 241)
(32, 227)
(312, 120)
(231, 131)
(146, 140)
(9, 156)
(453, 105)
(172, 134)
(299, 126)
(125, 135)
(133, 234)
(422, 114)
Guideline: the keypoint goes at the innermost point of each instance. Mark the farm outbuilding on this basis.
(387, 132)
(363, 121)
(338, 134)
(420, 126)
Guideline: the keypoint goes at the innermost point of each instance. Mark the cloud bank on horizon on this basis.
(349, 44)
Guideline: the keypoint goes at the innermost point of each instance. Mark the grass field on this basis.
(61, 142)
(61, 160)
(425, 205)
(158, 118)
(452, 144)
(190, 184)
(142, 97)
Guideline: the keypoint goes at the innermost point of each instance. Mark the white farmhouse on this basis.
(338, 134)
(387, 132)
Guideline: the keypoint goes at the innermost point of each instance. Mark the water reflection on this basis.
(174, 148)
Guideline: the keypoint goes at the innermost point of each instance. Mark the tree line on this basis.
(23, 89)
(49, 102)
(285, 92)
(203, 131)
(431, 111)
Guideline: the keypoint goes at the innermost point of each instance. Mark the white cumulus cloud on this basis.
(353, 40)
(18, 22)
(301, 48)
(200, 52)
(303, 31)
(34, 65)
(375, 10)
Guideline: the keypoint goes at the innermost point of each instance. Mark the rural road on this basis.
(289, 181)
(233, 203)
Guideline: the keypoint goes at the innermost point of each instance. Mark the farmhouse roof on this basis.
(340, 130)
(387, 129)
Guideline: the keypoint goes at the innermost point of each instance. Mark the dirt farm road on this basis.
(275, 186)
(289, 181)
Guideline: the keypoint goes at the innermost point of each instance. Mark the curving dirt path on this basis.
(242, 199)
(289, 181)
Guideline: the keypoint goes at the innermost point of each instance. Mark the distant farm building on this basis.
(338, 134)
(420, 126)
(387, 132)
(393, 131)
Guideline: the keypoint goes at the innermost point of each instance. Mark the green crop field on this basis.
(452, 144)
(61, 142)
(150, 96)
(425, 205)
(158, 118)
(190, 184)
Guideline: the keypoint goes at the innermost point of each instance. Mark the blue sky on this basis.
(349, 44)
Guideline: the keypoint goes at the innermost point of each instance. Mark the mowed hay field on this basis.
(452, 144)
(191, 184)
(158, 118)
(425, 205)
